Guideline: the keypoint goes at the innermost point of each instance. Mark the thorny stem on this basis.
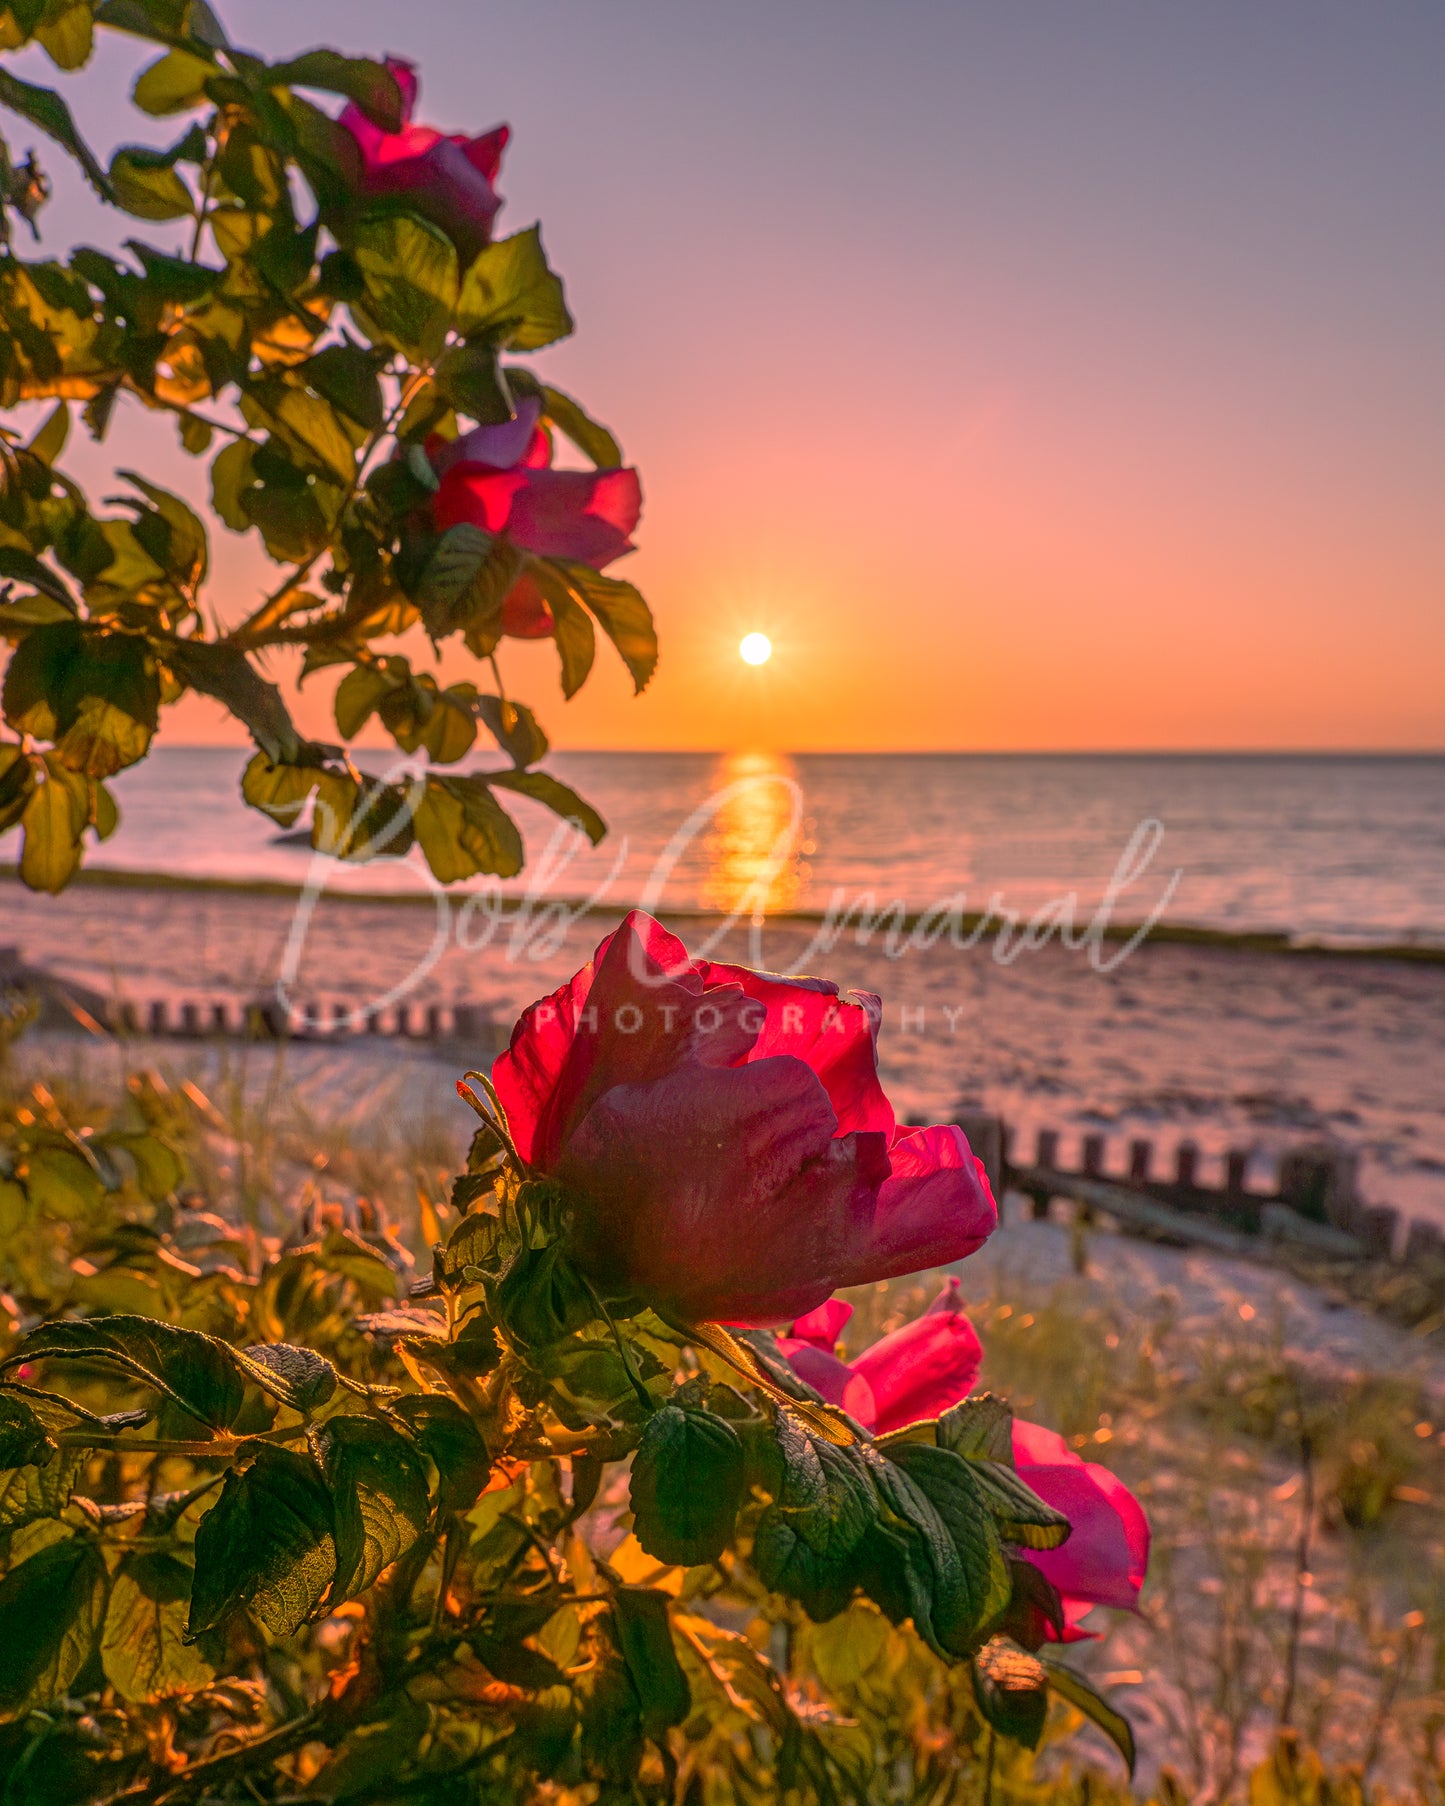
(221, 1447)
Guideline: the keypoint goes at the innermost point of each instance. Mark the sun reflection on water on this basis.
(758, 839)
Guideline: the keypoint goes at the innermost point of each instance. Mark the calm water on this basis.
(1332, 849)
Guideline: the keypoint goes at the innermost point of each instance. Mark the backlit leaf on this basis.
(299, 1377)
(142, 1647)
(511, 294)
(197, 1371)
(1070, 1685)
(644, 1636)
(51, 1608)
(687, 1485)
(266, 1545)
(379, 1493)
(560, 798)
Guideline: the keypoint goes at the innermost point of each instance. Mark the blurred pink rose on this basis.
(931, 1364)
(725, 1143)
(500, 478)
(446, 179)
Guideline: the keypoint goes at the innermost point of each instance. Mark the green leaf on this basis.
(463, 832)
(310, 427)
(63, 1185)
(51, 1608)
(453, 566)
(50, 855)
(467, 376)
(409, 270)
(453, 1444)
(1011, 1688)
(979, 1428)
(96, 694)
(227, 674)
(147, 187)
(68, 34)
(827, 1493)
(159, 1168)
(543, 788)
(379, 1493)
(299, 1377)
(17, 782)
(231, 477)
(644, 1637)
(25, 1440)
(44, 108)
(1021, 1515)
(587, 434)
(370, 84)
(357, 696)
(787, 1564)
(267, 1545)
(510, 293)
(626, 619)
(49, 440)
(1071, 1686)
(576, 641)
(198, 1372)
(515, 729)
(687, 1485)
(30, 1493)
(346, 376)
(845, 1649)
(25, 567)
(142, 1647)
(172, 532)
(971, 1578)
(175, 84)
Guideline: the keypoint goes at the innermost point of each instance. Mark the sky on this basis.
(1035, 373)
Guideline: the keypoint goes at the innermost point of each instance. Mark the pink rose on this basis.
(931, 1364)
(500, 478)
(448, 180)
(725, 1145)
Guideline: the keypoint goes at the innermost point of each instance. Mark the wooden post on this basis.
(1094, 1156)
(1186, 1166)
(1319, 1181)
(1376, 1228)
(1236, 1171)
(466, 1021)
(220, 1019)
(128, 1018)
(1141, 1159)
(158, 1018)
(340, 1018)
(1048, 1150)
(984, 1132)
(1424, 1246)
(435, 1024)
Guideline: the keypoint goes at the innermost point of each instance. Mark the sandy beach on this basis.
(1227, 1046)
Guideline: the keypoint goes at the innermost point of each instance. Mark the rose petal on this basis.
(935, 1208)
(721, 1193)
(823, 1326)
(834, 1380)
(500, 446)
(584, 515)
(924, 1368)
(1106, 1556)
(837, 1036)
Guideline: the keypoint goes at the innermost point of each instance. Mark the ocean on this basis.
(1328, 850)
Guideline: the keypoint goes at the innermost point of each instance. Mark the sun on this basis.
(755, 649)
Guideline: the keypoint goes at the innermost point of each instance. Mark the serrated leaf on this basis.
(379, 1495)
(198, 1372)
(67, 34)
(51, 1608)
(453, 1444)
(467, 376)
(267, 1545)
(1021, 1515)
(50, 854)
(463, 831)
(28, 1494)
(227, 674)
(587, 434)
(511, 294)
(299, 1377)
(370, 84)
(687, 1484)
(979, 1428)
(974, 1586)
(573, 632)
(409, 272)
(644, 1636)
(787, 1564)
(25, 567)
(827, 1493)
(142, 1647)
(1071, 1686)
(626, 619)
(50, 437)
(346, 376)
(560, 798)
(24, 1438)
(515, 729)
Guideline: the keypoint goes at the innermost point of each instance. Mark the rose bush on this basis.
(932, 1364)
(724, 1145)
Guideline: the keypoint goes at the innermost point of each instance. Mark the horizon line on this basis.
(923, 752)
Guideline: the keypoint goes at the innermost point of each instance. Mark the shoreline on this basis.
(972, 923)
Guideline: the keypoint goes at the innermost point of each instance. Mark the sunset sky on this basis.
(1061, 374)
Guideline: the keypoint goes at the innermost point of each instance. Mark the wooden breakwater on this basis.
(1306, 1197)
